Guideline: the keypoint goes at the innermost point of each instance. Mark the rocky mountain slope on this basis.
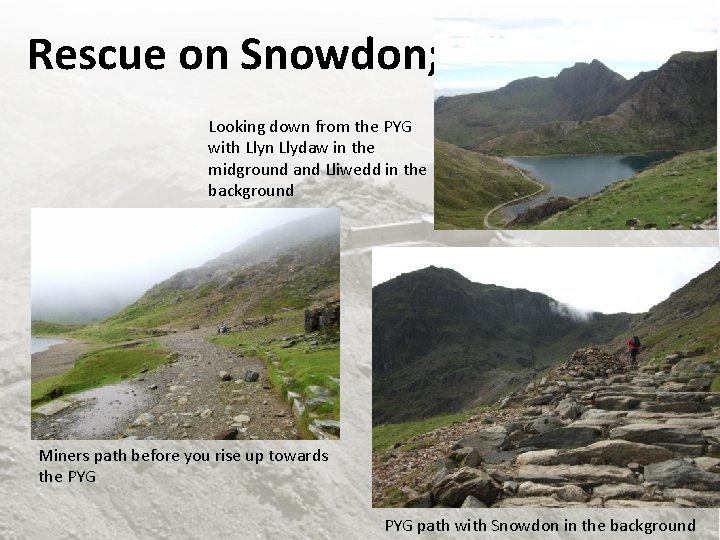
(442, 342)
(591, 431)
(590, 109)
(292, 266)
(594, 432)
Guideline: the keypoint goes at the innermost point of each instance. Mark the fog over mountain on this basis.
(107, 258)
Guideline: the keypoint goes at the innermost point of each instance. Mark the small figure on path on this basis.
(633, 346)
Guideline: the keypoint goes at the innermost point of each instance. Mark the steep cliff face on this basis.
(590, 90)
(589, 108)
(442, 342)
(681, 94)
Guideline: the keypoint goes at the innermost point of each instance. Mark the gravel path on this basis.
(183, 400)
(486, 219)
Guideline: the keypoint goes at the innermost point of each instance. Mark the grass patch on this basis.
(387, 435)
(45, 328)
(295, 368)
(675, 193)
(468, 185)
(98, 368)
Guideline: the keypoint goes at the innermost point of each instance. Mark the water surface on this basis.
(575, 176)
(38, 344)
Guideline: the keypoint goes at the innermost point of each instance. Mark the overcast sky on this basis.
(608, 280)
(98, 253)
(474, 55)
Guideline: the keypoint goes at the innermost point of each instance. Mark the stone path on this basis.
(594, 433)
(202, 394)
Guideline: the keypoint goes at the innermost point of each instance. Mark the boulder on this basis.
(485, 442)
(539, 502)
(456, 487)
(328, 426)
(677, 407)
(544, 423)
(618, 491)
(705, 499)
(467, 456)
(472, 502)
(538, 400)
(656, 433)
(420, 501)
(615, 452)
(575, 473)
(680, 473)
(569, 409)
(251, 376)
(538, 457)
(616, 403)
(565, 437)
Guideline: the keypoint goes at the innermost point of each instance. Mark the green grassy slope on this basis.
(674, 193)
(293, 280)
(468, 185)
(297, 368)
(467, 120)
(100, 367)
(687, 321)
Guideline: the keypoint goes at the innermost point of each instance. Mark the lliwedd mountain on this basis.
(588, 108)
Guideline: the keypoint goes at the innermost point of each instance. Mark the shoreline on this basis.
(57, 358)
(543, 189)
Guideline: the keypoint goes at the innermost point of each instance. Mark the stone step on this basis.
(590, 474)
(676, 406)
(564, 437)
(606, 452)
(543, 502)
(658, 433)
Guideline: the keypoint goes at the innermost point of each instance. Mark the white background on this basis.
(118, 139)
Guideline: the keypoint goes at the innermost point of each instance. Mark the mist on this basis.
(89, 263)
(571, 312)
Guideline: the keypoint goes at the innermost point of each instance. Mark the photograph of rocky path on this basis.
(245, 346)
(488, 396)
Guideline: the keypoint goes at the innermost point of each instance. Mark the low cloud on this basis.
(566, 310)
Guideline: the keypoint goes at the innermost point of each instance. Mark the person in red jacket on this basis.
(633, 346)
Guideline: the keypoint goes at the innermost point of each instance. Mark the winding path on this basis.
(486, 219)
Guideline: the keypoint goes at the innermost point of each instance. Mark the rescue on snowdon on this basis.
(365, 56)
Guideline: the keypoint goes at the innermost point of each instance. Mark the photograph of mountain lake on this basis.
(572, 141)
(185, 324)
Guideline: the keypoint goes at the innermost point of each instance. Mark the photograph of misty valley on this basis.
(185, 324)
(546, 377)
(576, 124)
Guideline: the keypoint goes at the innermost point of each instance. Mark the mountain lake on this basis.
(43, 344)
(575, 176)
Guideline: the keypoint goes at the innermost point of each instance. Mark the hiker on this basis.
(633, 346)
